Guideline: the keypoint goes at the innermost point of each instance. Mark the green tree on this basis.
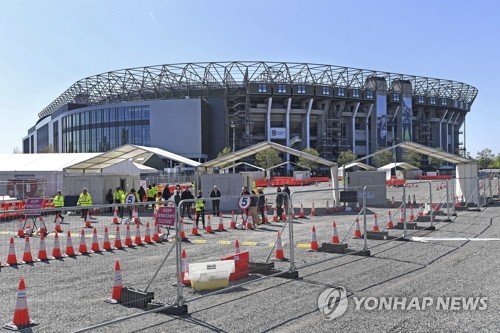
(224, 152)
(383, 158)
(268, 158)
(48, 149)
(308, 164)
(413, 158)
(345, 157)
(485, 158)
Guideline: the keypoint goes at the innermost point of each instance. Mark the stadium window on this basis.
(262, 88)
(341, 92)
(443, 101)
(301, 89)
(432, 100)
(326, 90)
(355, 93)
(396, 97)
(455, 102)
(281, 88)
(421, 99)
(369, 94)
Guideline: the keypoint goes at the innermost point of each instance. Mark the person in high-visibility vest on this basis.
(58, 203)
(84, 201)
(117, 198)
(151, 196)
(200, 209)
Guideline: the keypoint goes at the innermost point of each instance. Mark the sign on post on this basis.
(244, 202)
(33, 207)
(166, 216)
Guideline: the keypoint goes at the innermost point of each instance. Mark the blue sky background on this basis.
(46, 46)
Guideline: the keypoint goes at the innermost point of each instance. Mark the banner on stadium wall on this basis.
(382, 121)
(278, 133)
(407, 118)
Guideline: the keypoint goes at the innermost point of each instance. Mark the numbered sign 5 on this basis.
(244, 202)
(130, 198)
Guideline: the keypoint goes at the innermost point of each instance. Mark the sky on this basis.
(46, 46)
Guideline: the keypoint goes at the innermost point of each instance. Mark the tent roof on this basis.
(358, 164)
(435, 153)
(41, 162)
(126, 152)
(128, 168)
(252, 150)
(402, 165)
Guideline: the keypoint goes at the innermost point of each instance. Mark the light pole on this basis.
(233, 126)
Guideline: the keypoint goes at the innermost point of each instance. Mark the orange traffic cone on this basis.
(106, 245)
(357, 229)
(12, 258)
(185, 269)
(249, 223)
(266, 217)
(293, 213)
(56, 251)
(116, 293)
(138, 239)
(237, 246)
(390, 225)
(412, 217)
(118, 240)
(279, 248)
(57, 227)
(70, 251)
(21, 315)
(375, 223)
(194, 230)
(221, 224)
(42, 252)
(302, 215)
(208, 227)
(115, 216)
(156, 235)
(27, 257)
(43, 227)
(401, 216)
(95, 244)
(335, 236)
(87, 221)
(232, 224)
(314, 240)
(182, 233)
(20, 230)
(82, 249)
(147, 234)
(283, 216)
(128, 237)
(313, 210)
(275, 214)
(135, 215)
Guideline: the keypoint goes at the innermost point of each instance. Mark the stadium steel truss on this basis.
(251, 88)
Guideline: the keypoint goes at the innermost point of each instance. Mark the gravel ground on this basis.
(69, 294)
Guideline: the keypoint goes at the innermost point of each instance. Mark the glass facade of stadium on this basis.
(307, 106)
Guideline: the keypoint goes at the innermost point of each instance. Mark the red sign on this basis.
(166, 216)
(33, 207)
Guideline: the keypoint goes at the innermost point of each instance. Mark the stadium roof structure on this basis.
(97, 163)
(402, 165)
(159, 82)
(435, 153)
(359, 164)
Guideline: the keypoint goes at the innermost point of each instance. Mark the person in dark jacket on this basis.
(166, 193)
(187, 195)
(279, 203)
(177, 195)
(261, 203)
(215, 193)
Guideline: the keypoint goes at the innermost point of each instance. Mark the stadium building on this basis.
(197, 109)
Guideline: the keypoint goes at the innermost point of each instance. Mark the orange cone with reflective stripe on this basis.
(279, 248)
(375, 223)
(208, 227)
(194, 230)
(249, 223)
(116, 294)
(57, 227)
(147, 234)
(115, 216)
(42, 252)
(357, 229)
(335, 236)
(135, 215)
(184, 269)
(43, 227)
(82, 249)
(266, 217)
(11, 257)
(275, 214)
(390, 225)
(313, 210)
(128, 237)
(401, 216)
(70, 251)
(156, 235)
(412, 216)
(87, 221)
(21, 315)
(138, 239)
(301, 213)
(232, 224)
(237, 247)
(56, 251)
(314, 240)
(106, 245)
(20, 230)
(293, 213)
(221, 224)
(118, 239)
(95, 243)
(27, 257)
